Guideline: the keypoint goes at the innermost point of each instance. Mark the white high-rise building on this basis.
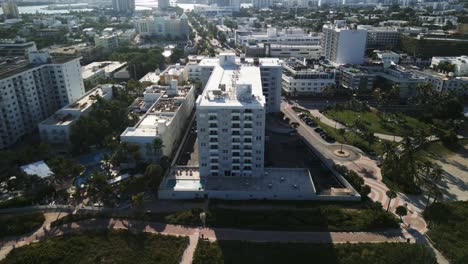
(343, 44)
(231, 120)
(32, 91)
(10, 9)
(123, 6)
(262, 3)
(162, 4)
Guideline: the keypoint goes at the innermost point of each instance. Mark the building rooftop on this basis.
(234, 85)
(39, 168)
(71, 112)
(161, 113)
(107, 66)
(15, 66)
(275, 180)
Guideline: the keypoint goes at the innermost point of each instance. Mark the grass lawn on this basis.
(448, 228)
(250, 252)
(378, 123)
(438, 149)
(102, 247)
(13, 225)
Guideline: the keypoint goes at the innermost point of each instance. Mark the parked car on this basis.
(311, 124)
(330, 139)
(295, 124)
(318, 130)
(301, 115)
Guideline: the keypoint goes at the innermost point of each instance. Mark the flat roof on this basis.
(39, 168)
(275, 180)
(108, 66)
(8, 69)
(223, 87)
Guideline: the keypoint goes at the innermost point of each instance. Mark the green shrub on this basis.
(448, 228)
(272, 253)
(19, 201)
(102, 247)
(12, 225)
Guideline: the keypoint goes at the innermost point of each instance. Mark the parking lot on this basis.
(289, 151)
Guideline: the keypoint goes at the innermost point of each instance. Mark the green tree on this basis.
(401, 211)
(137, 200)
(153, 175)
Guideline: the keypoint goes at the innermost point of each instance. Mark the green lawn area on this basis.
(250, 252)
(13, 225)
(438, 149)
(448, 228)
(348, 137)
(364, 217)
(383, 124)
(102, 247)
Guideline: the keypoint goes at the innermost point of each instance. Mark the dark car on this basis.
(311, 124)
(301, 115)
(318, 130)
(330, 139)
(295, 124)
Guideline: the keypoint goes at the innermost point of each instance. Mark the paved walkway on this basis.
(194, 233)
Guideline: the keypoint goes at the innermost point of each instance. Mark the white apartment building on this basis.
(344, 44)
(55, 130)
(231, 120)
(167, 111)
(286, 36)
(443, 83)
(405, 79)
(460, 64)
(164, 25)
(102, 69)
(296, 51)
(302, 79)
(270, 70)
(108, 42)
(262, 3)
(356, 79)
(31, 91)
(381, 37)
(16, 47)
(284, 51)
(213, 10)
(388, 57)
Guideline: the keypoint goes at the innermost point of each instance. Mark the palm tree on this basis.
(158, 146)
(391, 194)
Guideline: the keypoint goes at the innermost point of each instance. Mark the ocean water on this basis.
(139, 5)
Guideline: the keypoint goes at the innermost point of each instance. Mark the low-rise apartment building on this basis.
(302, 79)
(102, 69)
(55, 130)
(167, 111)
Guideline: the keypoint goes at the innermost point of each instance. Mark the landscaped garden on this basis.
(448, 229)
(367, 216)
(13, 225)
(102, 247)
(251, 252)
